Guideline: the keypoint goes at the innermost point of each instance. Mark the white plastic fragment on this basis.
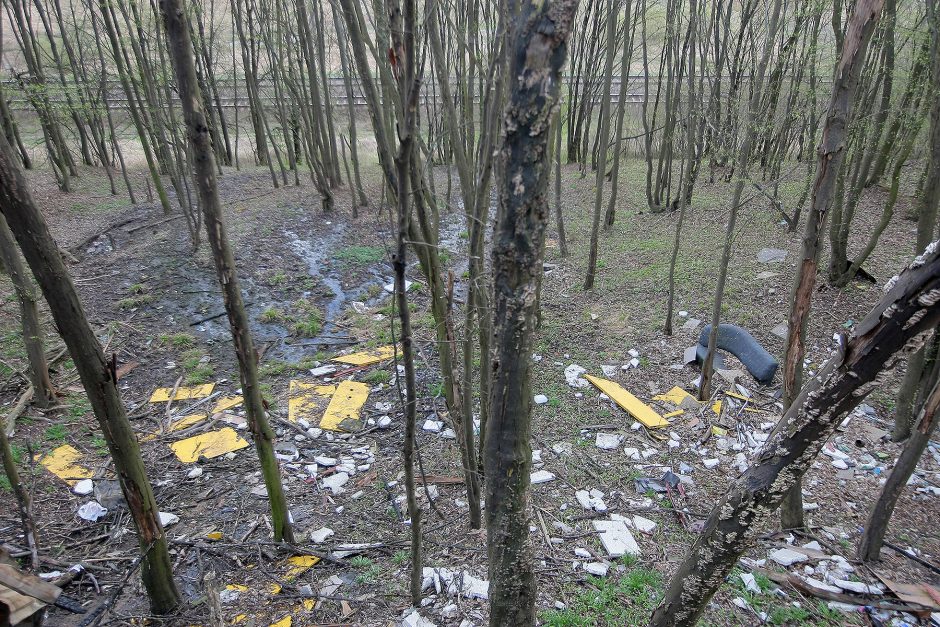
(321, 535)
(336, 482)
(616, 538)
(91, 511)
(598, 569)
(540, 399)
(608, 441)
(787, 557)
(167, 519)
(644, 524)
(84, 487)
(541, 476)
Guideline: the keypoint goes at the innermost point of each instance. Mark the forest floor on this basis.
(314, 288)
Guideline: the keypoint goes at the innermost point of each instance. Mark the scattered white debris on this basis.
(91, 511)
(634, 363)
(448, 434)
(710, 463)
(633, 352)
(810, 507)
(320, 535)
(455, 582)
(167, 519)
(573, 376)
(540, 399)
(336, 482)
(750, 583)
(644, 524)
(84, 487)
(384, 422)
(632, 453)
(541, 476)
(323, 460)
(591, 502)
(859, 587)
(323, 370)
(582, 553)
(390, 288)
(414, 619)
(683, 314)
(609, 371)
(608, 441)
(787, 557)
(635, 426)
(840, 464)
(434, 426)
(383, 407)
(616, 538)
(598, 569)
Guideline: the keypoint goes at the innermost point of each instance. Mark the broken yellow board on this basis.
(306, 400)
(162, 395)
(227, 402)
(628, 402)
(299, 564)
(287, 621)
(716, 407)
(368, 357)
(676, 396)
(186, 421)
(62, 463)
(237, 586)
(738, 396)
(673, 414)
(342, 414)
(208, 445)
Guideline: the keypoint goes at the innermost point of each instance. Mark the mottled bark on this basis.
(96, 374)
(180, 45)
(901, 321)
(537, 52)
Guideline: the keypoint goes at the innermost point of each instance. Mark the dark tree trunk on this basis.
(903, 319)
(96, 373)
(180, 47)
(537, 51)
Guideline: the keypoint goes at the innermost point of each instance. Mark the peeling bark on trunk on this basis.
(831, 154)
(537, 52)
(178, 36)
(96, 374)
(901, 322)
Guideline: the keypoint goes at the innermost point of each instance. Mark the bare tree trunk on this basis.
(180, 46)
(559, 214)
(536, 53)
(903, 319)
(23, 501)
(96, 373)
(831, 155)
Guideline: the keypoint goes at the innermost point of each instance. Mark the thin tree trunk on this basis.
(97, 375)
(23, 501)
(180, 46)
(906, 315)
(536, 53)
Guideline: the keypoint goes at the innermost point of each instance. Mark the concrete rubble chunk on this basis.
(609, 371)
(608, 441)
(540, 399)
(167, 519)
(858, 587)
(644, 524)
(414, 619)
(321, 535)
(590, 502)
(616, 538)
(710, 463)
(336, 482)
(384, 422)
(582, 553)
(434, 426)
(787, 557)
(455, 582)
(84, 487)
(598, 569)
(573, 376)
(541, 476)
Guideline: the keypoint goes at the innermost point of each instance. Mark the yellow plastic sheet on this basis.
(298, 565)
(307, 400)
(210, 444)
(186, 422)
(342, 414)
(629, 403)
(227, 402)
(62, 462)
(162, 395)
(368, 357)
(676, 396)
(287, 621)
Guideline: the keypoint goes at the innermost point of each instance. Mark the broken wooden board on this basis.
(368, 357)
(19, 606)
(210, 444)
(162, 395)
(342, 414)
(307, 400)
(62, 462)
(629, 403)
(226, 402)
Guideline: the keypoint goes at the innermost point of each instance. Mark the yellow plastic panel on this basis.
(162, 395)
(62, 462)
(307, 400)
(629, 403)
(676, 396)
(343, 412)
(299, 564)
(227, 402)
(368, 357)
(208, 445)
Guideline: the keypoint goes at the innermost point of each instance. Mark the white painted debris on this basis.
(710, 463)
(84, 487)
(741, 603)
(540, 399)
(541, 476)
(632, 453)
(634, 363)
(434, 426)
(609, 371)
(384, 422)
(336, 482)
(616, 538)
(383, 406)
(649, 452)
(227, 596)
(167, 519)
(573, 376)
(455, 582)
(323, 370)
(582, 553)
(644, 524)
(598, 569)
(840, 464)
(810, 507)
(414, 619)
(750, 584)
(449, 434)
(562, 448)
(816, 583)
(323, 460)
(195, 472)
(390, 288)
(831, 450)
(608, 441)
(91, 511)
(635, 426)
(683, 314)
(591, 502)
(859, 587)
(321, 534)
(787, 557)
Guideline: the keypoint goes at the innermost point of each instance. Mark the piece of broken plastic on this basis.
(629, 403)
(368, 357)
(305, 401)
(342, 414)
(162, 395)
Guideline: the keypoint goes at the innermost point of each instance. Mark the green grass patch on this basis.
(197, 367)
(178, 340)
(139, 300)
(628, 600)
(55, 433)
(361, 254)
(377, 376)
(271, 315)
